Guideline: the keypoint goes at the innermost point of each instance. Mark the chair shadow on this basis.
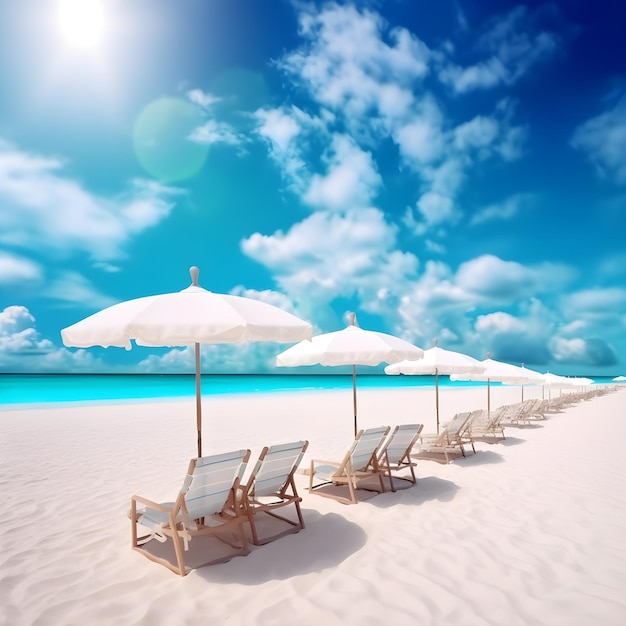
(327, 540)
(512, 441)
(427, 489)
(482, 457)
(534, 425)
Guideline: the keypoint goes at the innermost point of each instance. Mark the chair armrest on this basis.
(153, 505)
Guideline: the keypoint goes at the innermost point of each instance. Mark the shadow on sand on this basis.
(327, 540)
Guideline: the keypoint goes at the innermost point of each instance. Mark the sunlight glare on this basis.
(81, 22)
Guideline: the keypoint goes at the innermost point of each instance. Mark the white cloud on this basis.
(347, 65)
(46, 210)
(331, 255)
(213, 131)
(437, 209)
(513, 48)
(505, 210)
(22, 349)
(603, 140)
(351, 180)
(589, 352)
(279, 126)
(202, 99)
(17, 269)
(73, 288)
(593, 302)
(499, 323)
(490, 277)
(479, 132)
(288, 131)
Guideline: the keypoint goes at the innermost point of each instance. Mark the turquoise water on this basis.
(31, 389)
(35, 389)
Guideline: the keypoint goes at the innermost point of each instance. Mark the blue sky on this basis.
(451, 170)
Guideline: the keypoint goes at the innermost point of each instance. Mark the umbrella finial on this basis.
(194, 272)
(435, 342)
(352, 318)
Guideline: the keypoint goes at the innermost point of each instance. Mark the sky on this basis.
(450, 171)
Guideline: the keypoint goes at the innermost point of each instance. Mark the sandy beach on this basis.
(530, 530)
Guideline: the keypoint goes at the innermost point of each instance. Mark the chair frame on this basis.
(178, 526)
(273, 477)
(356, 465)
(448, 441)
(395, 453)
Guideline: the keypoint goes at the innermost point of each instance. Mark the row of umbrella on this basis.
(196, 316)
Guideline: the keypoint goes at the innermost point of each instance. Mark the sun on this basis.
(81, 22)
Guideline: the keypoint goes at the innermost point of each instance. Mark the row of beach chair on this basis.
(215, 503)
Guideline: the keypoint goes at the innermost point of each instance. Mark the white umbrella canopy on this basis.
(534, 378)
(350, 346)
(437, 361)
(619, 379)
(191, 316)
(497, 372)
(555, 381)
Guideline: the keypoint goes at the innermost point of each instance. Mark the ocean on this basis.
(40, 389)
(35, 389)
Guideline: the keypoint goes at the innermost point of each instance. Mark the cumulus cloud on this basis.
(516, 339)
(603, 140)
(591, 352)
(44, 209)
(490, 277)
(348, 65)
(23, 349)
(332, 255)
(351, 179)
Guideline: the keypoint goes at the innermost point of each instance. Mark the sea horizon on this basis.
(37, 389)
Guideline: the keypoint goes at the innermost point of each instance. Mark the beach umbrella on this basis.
(437, 361)
(350, 346)
(191, 316)
(555, 381)
(619, 379)
(495, 372)
(534, 378)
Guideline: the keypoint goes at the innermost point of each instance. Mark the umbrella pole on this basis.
(354, 396)
(437, 396)
(488, 398)
(198, 401)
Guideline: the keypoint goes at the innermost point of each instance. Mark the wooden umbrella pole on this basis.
(354, 396)
(437, 396)
(198, 400)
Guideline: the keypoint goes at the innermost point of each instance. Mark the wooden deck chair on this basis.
(450, 441)
(487, 426)
(205, 506)
(395, 453)
(359, 463)
(271, 486)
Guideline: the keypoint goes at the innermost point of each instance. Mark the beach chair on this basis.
(486, 425)
(395, 453)
(205, 506)
(271, 486)
(449, 442)
(359, 463)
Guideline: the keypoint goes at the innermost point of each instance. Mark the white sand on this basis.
(531, 530)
